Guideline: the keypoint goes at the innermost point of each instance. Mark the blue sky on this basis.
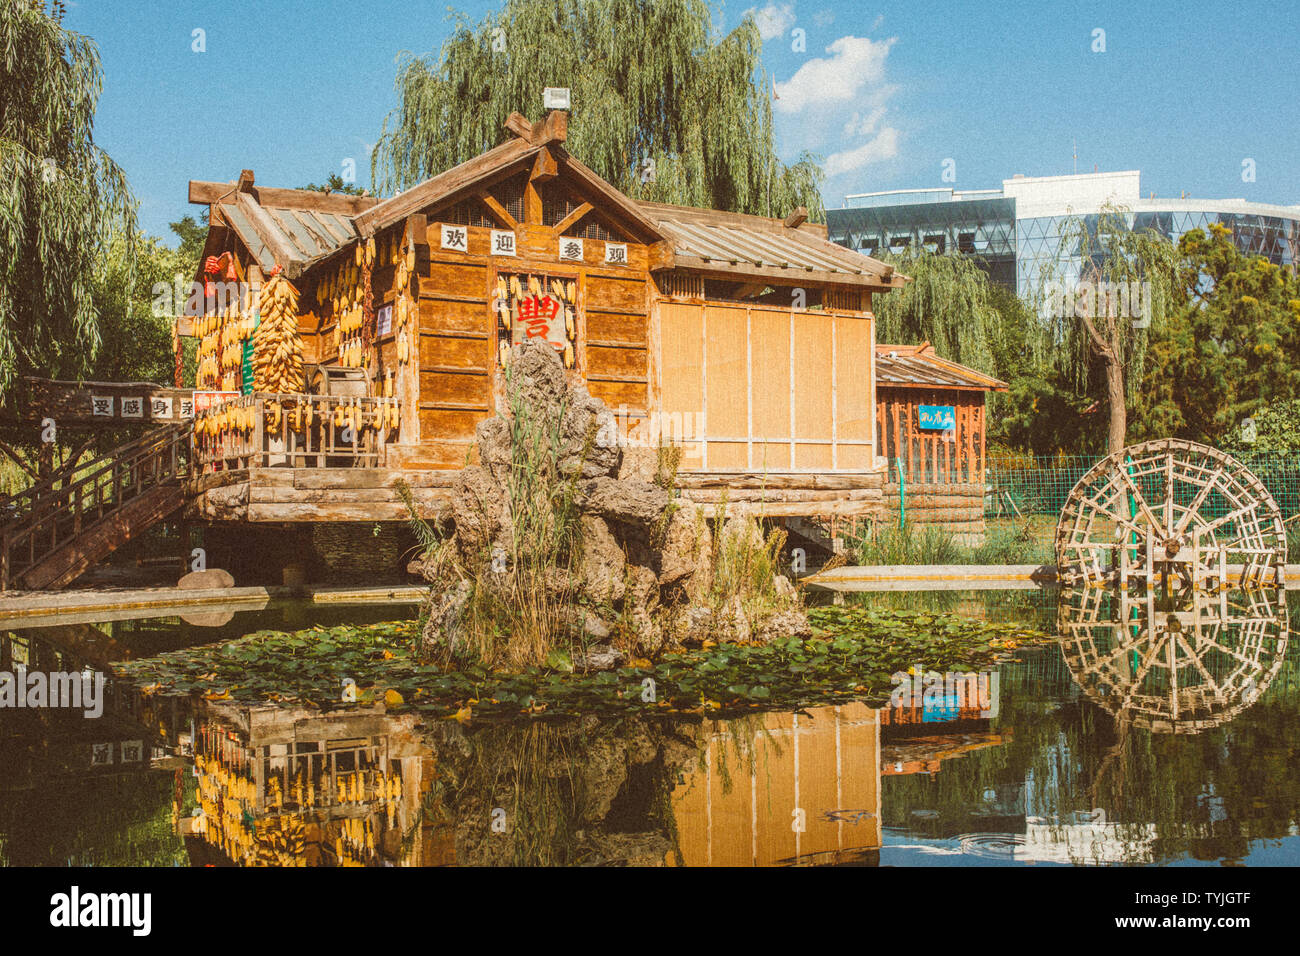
(884, 92)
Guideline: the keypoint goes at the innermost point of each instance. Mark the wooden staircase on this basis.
(57, 529)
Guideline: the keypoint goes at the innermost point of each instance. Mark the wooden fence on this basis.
(266, 430)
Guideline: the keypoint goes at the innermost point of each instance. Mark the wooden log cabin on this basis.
(930, 420)
(748, 340)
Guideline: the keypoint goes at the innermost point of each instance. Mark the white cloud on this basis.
(875, 24)
(855, 64)
(881, 147)
(859, 125)
(838, 105)
(773, 20)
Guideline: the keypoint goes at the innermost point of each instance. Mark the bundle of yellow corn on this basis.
(277, 346)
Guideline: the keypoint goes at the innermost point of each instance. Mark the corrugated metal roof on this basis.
(709, 239)
(918, 366)
(307, 235)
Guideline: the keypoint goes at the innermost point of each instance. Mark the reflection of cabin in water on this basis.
(300, 788)
(798, 788)
(930, 423)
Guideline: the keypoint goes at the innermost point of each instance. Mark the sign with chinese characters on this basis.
(537, 307)
(158, 404)
(132, 751)
(616, 253)
(384, 320)
(937, 417)
(503, 242)
(570, 249)
(540, 317)
(457, 237)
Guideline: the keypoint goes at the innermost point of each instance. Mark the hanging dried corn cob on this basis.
(277, 355)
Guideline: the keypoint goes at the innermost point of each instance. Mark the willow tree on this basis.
(1109, 288)
(663, 107)
(62, 199)
(948, 303)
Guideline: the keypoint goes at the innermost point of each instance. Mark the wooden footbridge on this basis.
(61, 526)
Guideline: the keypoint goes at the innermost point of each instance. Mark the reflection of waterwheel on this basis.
(1175, 665)
(1170, 509)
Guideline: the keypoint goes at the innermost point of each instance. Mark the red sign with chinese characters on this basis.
(540, 317)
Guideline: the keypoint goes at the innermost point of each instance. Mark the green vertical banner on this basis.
(246, 366)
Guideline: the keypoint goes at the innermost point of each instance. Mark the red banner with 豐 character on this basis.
(541, 317)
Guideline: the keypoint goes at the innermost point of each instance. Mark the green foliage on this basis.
(1277, 431)
(1231, 350)
(851, 655)
(335, 184)
(193, 235)
(949, 303)
(1114, 253)
(651, 81)
(136, 345)
(1018, 544)
(62, 199)
(886, 544)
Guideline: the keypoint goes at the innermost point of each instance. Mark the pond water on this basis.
(1082, 752)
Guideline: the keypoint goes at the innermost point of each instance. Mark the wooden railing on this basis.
(267, 430)
(50, 514)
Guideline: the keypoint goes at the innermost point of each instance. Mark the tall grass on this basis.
(518, 606)
(889, 545)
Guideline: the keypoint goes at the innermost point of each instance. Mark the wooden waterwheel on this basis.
(1177, 664)
(1166, 510)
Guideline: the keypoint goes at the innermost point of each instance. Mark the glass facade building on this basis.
(1015, 232)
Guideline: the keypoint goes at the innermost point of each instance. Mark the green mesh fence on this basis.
(1024, 486)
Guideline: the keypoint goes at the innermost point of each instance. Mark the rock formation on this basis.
(632, 567)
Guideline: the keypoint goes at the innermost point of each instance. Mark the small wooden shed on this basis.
(930, 419)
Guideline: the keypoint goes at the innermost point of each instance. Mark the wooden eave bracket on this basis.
(553, 129)
(545, 167)
(497, 211)
(796, 218)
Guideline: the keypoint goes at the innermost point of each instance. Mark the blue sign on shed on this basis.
(937, 417)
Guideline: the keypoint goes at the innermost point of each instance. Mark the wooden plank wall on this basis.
(777, 389)
(459, 384)
(927, 457)
(455, 351)
(614, 325)
(953, 507)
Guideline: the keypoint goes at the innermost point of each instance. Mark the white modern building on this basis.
(1016, 230)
